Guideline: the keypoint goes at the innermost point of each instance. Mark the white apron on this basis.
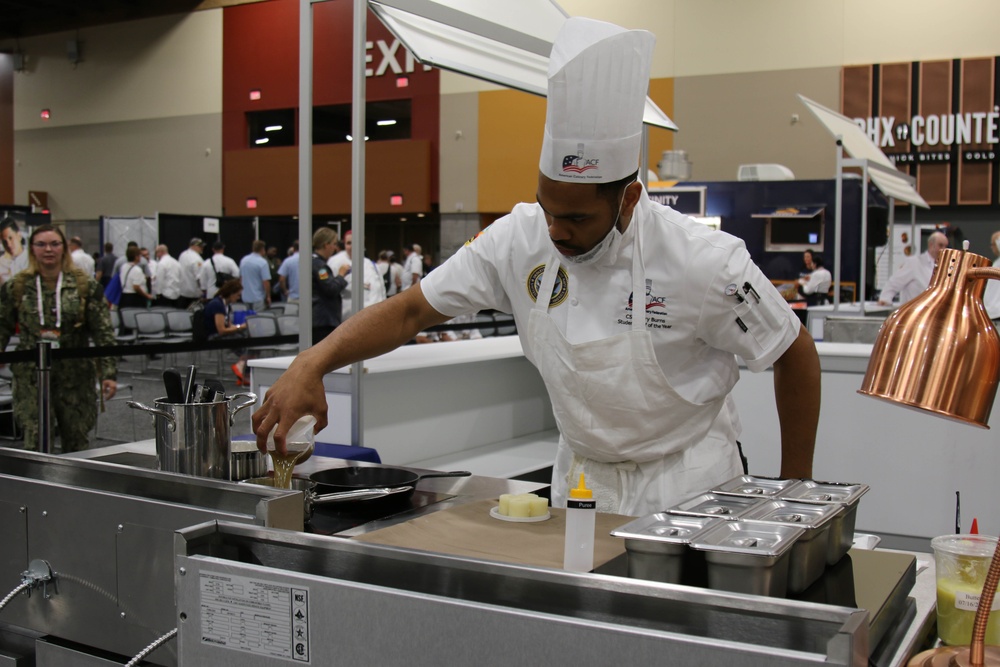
(641, 445)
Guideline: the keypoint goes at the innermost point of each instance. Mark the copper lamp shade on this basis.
(940, 352)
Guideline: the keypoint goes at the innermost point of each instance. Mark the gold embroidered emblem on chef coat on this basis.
(559, 291)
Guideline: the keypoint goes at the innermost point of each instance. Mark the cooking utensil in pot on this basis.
(364, 477)
(217, 387)
(174, 385)
(189, 385)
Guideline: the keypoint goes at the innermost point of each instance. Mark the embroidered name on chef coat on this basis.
(655, 309)
(559, 291)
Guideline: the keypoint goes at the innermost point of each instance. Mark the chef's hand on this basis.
(298, 392)
(109, 388)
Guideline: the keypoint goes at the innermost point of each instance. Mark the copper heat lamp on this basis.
(940, 353)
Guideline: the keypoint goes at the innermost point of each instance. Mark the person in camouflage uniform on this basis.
(78, 315)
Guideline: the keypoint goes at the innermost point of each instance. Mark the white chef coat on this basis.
(695, 283)
(817, 282)
(219, 263)
(83, 261)
(374, 286)
(167, 282)
(190, 261)
(909, 280)
(414, 265)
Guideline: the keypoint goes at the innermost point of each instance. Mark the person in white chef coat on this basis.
(643, 402)
(373, 284)
(914, 275)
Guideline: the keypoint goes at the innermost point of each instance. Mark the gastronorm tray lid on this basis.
(663, 527)
(786, 512)
(826, 492)
(715, 505)
(750, 485)
(753, 539)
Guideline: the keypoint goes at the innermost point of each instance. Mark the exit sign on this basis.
(38, 200)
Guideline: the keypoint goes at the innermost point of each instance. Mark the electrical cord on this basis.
(149, 649)
(24, 585)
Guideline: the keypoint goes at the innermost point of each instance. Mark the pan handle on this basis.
(359, 494)
(453, 473)
(166, 415)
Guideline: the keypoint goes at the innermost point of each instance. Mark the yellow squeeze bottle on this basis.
(581, 514)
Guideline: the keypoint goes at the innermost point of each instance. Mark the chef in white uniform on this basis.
(642, 403)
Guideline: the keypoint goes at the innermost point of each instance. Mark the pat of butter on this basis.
(523, 505)
(519, 506)
(539, 506)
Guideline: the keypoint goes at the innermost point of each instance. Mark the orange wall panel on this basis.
(662, 92)
(511, 125)
(271, 176)
(510, 139)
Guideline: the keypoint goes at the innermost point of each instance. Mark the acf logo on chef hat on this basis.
(598, 79)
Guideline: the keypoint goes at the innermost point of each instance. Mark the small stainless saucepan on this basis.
(311, 498)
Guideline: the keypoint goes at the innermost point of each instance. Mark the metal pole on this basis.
(644, 157)
(44, 370)
(864, 237)
(305, 172)
(358, 205)
(891, 235)
(837, 219)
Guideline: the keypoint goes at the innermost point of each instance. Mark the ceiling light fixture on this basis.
(262, 140)
(384, 123)
(273, 128)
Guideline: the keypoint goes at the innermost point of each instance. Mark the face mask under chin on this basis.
(611, 240)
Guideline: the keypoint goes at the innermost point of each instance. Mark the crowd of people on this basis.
(52, 289)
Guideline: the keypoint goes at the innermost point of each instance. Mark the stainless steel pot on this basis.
(194, 438)
(246, 460)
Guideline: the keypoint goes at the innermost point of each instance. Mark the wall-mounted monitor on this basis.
(793, 228)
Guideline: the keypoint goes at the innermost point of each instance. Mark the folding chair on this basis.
(152, 327)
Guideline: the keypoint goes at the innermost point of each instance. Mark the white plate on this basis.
(495, 513)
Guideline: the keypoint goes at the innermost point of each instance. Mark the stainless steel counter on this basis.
(107, 535)
(456, 490)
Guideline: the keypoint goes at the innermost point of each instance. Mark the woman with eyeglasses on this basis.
(53, 300)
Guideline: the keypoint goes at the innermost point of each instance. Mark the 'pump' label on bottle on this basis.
(581, 504)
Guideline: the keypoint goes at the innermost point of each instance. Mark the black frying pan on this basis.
(359, 477)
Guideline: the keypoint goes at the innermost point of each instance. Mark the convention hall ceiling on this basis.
(25, 18)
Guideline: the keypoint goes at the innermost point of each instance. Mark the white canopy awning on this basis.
(506, 43)
(859, 146)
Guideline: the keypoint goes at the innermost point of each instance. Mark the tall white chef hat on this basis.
(598, 79)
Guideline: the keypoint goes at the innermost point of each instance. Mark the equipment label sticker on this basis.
(260, 617)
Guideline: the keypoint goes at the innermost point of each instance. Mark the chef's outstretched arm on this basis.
(797, 395)
(369, 333)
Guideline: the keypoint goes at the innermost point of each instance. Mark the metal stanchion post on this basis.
(44, 399)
